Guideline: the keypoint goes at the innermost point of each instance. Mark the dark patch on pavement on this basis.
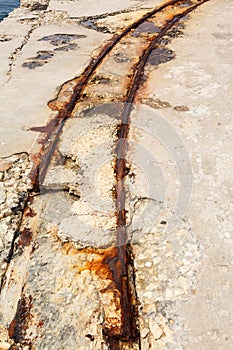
(121, 57)
(62, 39)
(160, 55)
(146, 28)
(62, 42)
(91, 24)
(38, 61)
(66, 47)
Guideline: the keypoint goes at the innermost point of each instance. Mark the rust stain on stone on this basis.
(100, 261)
(69, 94)
(115, 263)
(25, 238)
(18, 326)
(123, 260)
(29, 212)
(101, 266)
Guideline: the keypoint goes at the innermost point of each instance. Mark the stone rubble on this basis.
(14, 187)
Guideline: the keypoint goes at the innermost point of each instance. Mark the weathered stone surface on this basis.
(47, 73)
(58, 290)
(35, 5)
(14, 187)
(88, 8)
(192, 303)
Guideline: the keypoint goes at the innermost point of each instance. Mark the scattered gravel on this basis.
(14, 187)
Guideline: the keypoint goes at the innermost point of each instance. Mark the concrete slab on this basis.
(196, 90)
(38, 72)
(88, 8)
(58, 289)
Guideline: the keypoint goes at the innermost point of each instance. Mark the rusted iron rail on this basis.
(121, 264)
(52, 131)
(124, 251)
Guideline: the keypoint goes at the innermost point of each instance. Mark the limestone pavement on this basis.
(57, 290)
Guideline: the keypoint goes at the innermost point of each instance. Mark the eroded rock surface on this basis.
(58, 236)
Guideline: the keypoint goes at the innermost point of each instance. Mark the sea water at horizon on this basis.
(7, 6)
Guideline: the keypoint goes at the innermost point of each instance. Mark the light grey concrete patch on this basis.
(200, 78)
(39, 84)
(88, 143)
(160, 163)
(86, 8)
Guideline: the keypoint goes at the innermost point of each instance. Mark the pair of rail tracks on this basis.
(163, 18)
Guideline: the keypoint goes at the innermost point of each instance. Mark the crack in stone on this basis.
(111, 14)
(13, 57)
(19, 203)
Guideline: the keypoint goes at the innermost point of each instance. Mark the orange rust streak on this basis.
(29, 212)
(99, 265)
(25, 238)
(69, 249)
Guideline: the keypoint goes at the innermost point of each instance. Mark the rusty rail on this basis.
(121, 264)
(53, 129)
(124, 251)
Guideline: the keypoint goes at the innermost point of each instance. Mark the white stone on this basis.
(2, 196)
(4, 345)
(155, 329)
(144, 332)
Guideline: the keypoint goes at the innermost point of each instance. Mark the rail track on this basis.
(143, 36)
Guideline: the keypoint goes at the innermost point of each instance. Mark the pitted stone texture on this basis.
(79, 222)
(71, 291)
(166, 264)
(203, 315)
(26, 50)
(35, 5)
(65, 299)
(14, 187)
(87, 147)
